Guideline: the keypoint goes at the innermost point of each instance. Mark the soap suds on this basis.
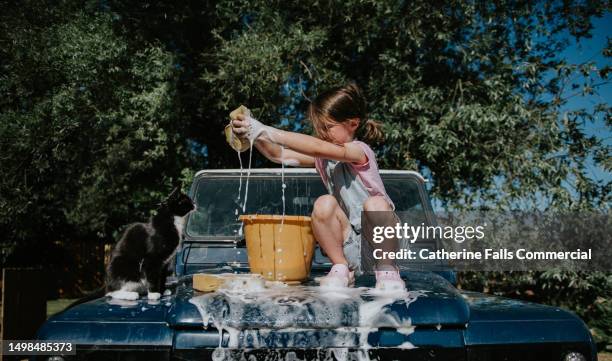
(291, 162)
(302, 316)
(123, 295)
(153, 296)
(130, 290)
(318, 354)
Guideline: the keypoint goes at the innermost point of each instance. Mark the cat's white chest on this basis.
(179, 224)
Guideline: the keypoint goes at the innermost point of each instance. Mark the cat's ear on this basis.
(175, 192)
(177, 184)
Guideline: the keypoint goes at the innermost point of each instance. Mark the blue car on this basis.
(439, 323)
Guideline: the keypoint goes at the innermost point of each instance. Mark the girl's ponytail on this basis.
(372, 131)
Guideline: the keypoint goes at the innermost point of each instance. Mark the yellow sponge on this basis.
(238, 144)
(207, 283)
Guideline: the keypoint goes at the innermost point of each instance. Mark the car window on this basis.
(218, 205)
(405, 195)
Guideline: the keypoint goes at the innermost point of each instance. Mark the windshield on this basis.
(218, 207)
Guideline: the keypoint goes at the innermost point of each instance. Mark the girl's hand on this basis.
(250, 128)
(241, 126)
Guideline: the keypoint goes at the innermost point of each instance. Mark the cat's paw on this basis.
(124, 295)
(153, 295)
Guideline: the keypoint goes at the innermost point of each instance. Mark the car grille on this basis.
(420, 354)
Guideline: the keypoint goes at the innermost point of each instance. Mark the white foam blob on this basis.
(153, 295)
(291, 162)
(333, 282)
(341, 354)
(121, 302)
(123, 295)
(241, 283)
(391, 285)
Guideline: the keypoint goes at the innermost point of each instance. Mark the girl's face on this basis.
(342, 132)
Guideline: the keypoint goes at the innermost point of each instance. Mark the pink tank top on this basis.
(367, 173)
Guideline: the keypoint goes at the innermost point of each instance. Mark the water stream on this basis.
(239, 192)
(283, 185)
(283, 161)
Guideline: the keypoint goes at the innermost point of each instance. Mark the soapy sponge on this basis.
(206, 282)
(238, 144)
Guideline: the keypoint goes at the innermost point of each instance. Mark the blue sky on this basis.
(585, 50)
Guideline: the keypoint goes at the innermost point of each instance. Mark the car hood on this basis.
(106, 321)
(433, 312)
(431, 300)
(497, 320)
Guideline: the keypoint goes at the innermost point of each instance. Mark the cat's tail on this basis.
(100, 292)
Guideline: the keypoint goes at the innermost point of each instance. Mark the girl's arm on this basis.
(304, 144)
(290, 157)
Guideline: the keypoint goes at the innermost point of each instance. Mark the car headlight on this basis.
(574, 356)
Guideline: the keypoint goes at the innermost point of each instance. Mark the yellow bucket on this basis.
(279, 252)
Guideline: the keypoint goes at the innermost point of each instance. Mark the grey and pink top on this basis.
(352, 184)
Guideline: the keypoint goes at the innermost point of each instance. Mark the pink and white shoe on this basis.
(339, 276)
(389, 281)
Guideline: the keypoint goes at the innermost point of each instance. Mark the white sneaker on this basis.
(339, 276)
(389, 281)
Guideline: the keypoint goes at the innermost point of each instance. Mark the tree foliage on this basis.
(471, 92)
(88, 128)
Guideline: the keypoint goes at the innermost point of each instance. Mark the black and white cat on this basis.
(139, 261)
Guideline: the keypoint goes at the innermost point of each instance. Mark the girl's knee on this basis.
(324, 207)
(376, 203)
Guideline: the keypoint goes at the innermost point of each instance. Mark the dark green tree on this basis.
(89, 136)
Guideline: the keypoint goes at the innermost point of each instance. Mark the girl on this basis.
(348, 169)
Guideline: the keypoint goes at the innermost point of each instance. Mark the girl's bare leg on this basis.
(330, 226)
(380, 204)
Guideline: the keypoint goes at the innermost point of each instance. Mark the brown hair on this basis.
(338, 105)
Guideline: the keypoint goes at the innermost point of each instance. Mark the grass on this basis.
(604, 356)
(55, 306)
